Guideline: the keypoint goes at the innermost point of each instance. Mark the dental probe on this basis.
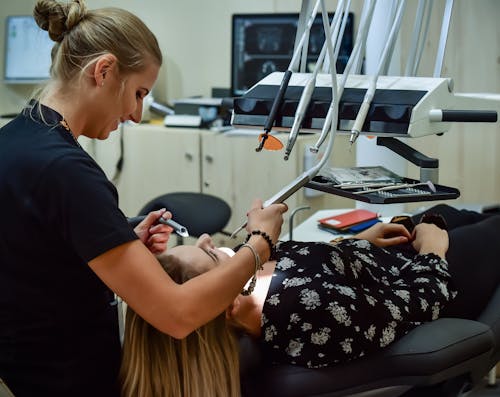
(278, 100)
(178, 228)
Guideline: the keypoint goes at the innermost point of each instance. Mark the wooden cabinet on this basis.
(158, 160)
(234, 171)
(155, 161)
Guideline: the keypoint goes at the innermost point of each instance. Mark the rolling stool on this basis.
(198, 212)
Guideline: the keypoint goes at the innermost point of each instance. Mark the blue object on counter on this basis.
(363, 225)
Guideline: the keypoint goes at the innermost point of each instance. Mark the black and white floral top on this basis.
(328, 304)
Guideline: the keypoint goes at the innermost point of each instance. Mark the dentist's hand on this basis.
(155, 235)
(268, 220)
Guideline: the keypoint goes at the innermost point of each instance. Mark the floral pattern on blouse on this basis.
(329, 304)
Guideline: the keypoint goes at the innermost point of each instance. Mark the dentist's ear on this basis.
(104, 64)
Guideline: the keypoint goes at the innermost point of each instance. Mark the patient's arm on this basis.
(385, 234)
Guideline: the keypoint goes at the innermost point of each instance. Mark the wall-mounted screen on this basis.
(263, 43)
(27, 51)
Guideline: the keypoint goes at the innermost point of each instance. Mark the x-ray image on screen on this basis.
(263, 43)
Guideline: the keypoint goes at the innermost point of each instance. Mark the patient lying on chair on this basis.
(320, 304)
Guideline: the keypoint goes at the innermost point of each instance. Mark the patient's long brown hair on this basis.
(204, 364)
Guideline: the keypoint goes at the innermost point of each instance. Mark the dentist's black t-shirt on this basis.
(58, 325)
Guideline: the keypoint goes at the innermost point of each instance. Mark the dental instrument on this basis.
(384, 61)
(326, 63)
(363, 32)
(278, 100)
(429, 184)
(308, 175)
(401, 106)
(178, 228)
(311, 83)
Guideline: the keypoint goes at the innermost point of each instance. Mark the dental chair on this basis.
(444, 358)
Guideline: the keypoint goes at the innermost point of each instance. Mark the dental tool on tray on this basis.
(308, 175)
(398, 186)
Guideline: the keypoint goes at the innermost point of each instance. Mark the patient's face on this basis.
(204, 253)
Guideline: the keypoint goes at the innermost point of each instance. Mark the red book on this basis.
(347, 219)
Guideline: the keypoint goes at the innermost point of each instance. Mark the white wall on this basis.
(469, 153)
(195, 37)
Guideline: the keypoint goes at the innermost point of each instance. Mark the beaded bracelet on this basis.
(258, 266)
(266, 237)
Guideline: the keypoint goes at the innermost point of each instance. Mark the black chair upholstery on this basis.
(198, 212)
(441, 358)
(491, 317)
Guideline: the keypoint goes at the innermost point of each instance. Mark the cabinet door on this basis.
(234, 171)
(155, 161)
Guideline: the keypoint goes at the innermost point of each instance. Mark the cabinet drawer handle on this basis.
(188, 156)
(209, 159)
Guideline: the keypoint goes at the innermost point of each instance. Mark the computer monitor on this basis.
(27, 51)
(263, 43)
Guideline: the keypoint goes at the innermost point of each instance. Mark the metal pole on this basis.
(444, 37)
